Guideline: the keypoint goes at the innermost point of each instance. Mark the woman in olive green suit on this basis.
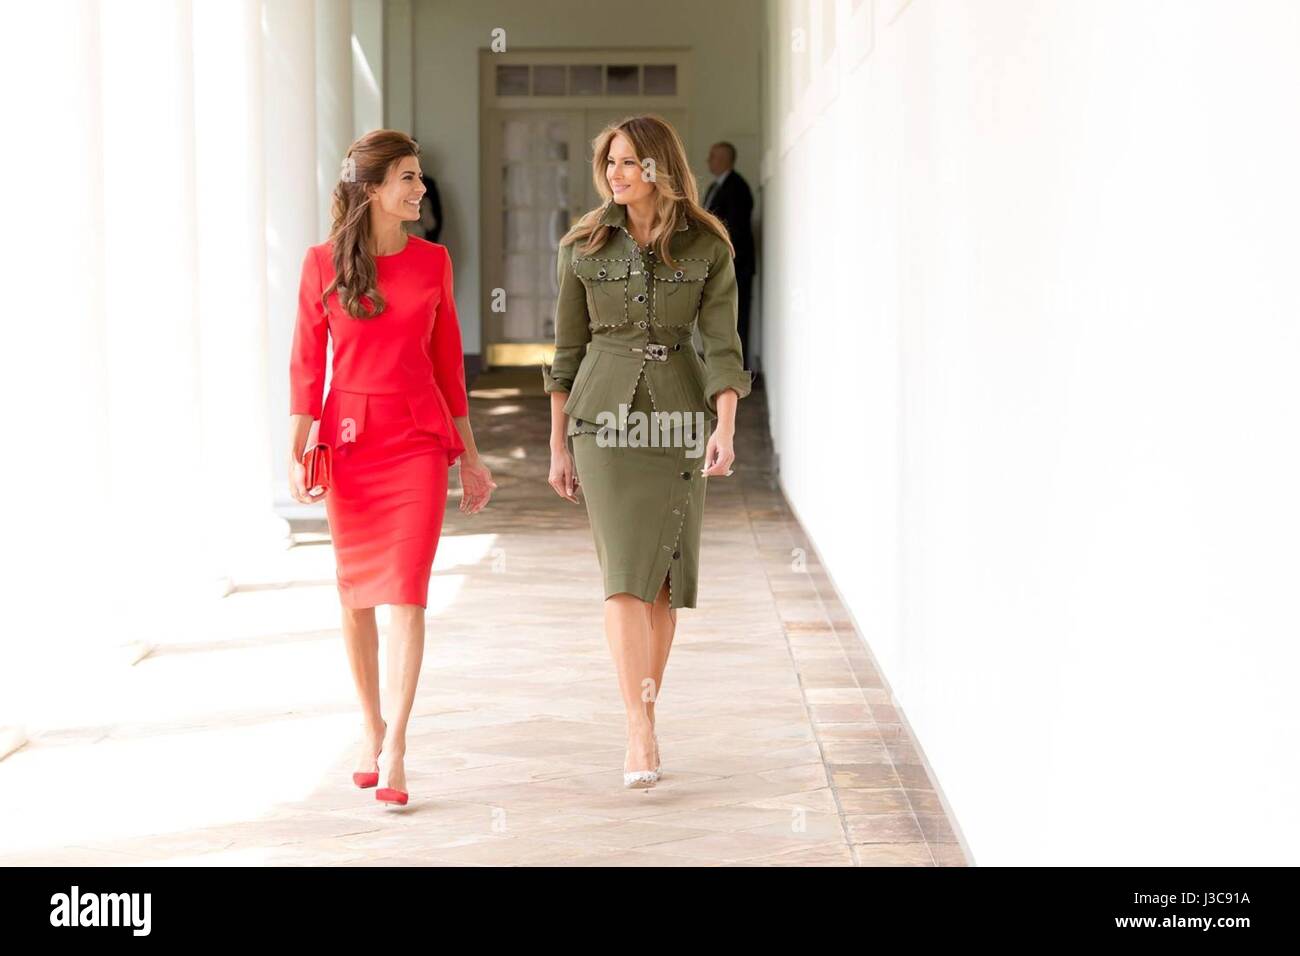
(632, 403)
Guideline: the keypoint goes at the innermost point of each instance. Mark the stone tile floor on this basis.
(233, 744)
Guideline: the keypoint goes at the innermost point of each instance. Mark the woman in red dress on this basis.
(396, 418)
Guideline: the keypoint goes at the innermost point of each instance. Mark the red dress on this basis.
(397, 381)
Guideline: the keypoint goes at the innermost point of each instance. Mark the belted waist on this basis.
(655, 351)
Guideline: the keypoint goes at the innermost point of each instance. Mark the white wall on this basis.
(724, 36)
(368, 65)
(399, 71)
(1032, 274)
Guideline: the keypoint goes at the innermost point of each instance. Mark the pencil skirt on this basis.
(646, 505)
(385, 507)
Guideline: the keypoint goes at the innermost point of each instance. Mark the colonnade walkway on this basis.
(235, 743)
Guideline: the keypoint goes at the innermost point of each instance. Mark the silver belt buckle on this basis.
(656, 351)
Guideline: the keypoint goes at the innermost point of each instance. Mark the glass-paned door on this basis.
(535, 162)
(537, 183)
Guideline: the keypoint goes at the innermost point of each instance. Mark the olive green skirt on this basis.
(646, 505)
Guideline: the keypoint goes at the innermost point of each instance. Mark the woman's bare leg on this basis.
(663, 626)
(405, 656)
(627, 628)
(361, 638)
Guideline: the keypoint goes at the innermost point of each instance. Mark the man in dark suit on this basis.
(729, 198)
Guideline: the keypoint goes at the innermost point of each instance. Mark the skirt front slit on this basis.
(646, 505)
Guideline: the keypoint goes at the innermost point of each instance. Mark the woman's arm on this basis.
(449, 355)
(306, 372)
(299, 428)
(449, 372)
(563, 477)
(723, 359)
(470, 454)
(727, 380)
(572, 333)
(310, 337)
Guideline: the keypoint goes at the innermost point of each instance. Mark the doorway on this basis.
(541, 111)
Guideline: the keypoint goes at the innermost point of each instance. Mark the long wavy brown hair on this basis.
(368, 161)
(677, 197)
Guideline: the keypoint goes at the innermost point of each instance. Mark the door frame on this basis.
(491, 109)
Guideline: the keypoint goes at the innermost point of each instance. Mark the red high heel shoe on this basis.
(391, 795)
(366, 779)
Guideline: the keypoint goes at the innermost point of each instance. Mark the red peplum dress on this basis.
(397, 381)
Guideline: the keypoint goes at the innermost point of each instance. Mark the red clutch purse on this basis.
(317, 460)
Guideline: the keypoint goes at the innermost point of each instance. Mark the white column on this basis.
(151, 346)
(234, 354)
(333, 98)
(292, 199)
(52, 376)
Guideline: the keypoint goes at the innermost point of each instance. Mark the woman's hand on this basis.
(297, 481)
(476, 485)
(564, 477)
(719, 455)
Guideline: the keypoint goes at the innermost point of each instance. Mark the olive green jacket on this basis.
(622, 313)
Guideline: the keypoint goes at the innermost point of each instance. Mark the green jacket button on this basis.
(686, 476)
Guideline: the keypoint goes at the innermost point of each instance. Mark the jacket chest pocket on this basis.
(606, 283)
(678, 289)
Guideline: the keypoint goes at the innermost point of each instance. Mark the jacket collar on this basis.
(615, 214)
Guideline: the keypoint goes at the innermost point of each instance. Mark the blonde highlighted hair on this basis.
(677, 197)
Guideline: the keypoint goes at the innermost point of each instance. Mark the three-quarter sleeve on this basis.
(448, 353)
(310, 340)
(572, 333)
(723, 358)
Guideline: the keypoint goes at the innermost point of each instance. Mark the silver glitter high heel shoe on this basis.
(640, 779)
